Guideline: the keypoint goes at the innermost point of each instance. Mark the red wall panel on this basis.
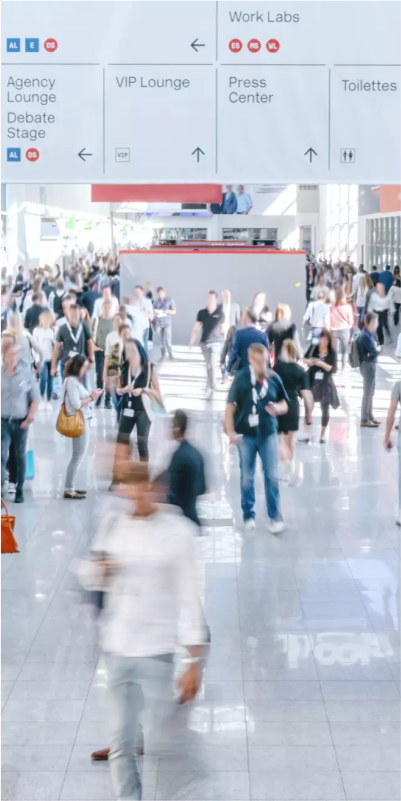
(390, 199)
(155, 193)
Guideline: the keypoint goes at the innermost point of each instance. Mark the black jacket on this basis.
(186, 479)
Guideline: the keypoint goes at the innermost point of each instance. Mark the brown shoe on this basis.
(369, 424)
(375, 423)
(101, 755)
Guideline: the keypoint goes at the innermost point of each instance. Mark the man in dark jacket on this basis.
(229, 205)
(368, 354)
(33, 313)
(186, 473)
(243, 338)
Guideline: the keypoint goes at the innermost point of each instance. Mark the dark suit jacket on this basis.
(229, 203)
(186, 479)
(242, 340)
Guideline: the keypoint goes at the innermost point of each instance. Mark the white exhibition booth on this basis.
(187, 275)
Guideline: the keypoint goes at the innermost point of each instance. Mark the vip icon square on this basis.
(13, 154)
(122, 154)
(347, 155)
(13, 45)
(31, 45)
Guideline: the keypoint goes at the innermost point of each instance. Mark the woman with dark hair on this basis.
(322, 363)
(76, 397)
(138, 377)
(296, 384)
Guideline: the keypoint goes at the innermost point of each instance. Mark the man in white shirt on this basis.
(146, 563)
(141, 310)
(106, 295)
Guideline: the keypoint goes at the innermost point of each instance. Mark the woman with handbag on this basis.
(322, 363)
(139, 390)
(78, 403)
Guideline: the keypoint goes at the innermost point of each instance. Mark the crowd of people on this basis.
(59, 332)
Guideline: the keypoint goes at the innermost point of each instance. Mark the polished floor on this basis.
(301, 691)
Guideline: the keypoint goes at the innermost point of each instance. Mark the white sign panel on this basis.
(204, 91)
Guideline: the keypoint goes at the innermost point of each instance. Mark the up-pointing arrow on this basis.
(310, 151)
(198, 151)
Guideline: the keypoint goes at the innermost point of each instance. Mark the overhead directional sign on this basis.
(186, 92)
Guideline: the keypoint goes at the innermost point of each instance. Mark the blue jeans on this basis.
(46, 381)
(13, 439)
(137, 686)
(267, 448)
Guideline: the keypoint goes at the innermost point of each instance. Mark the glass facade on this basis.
(383, 241)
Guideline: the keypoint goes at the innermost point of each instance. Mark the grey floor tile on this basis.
(51, 690)
(6, 687)
(42, 711)
(19, 758)
(92, 786)
(292, 758)
(372, 786)
(305, 732)
(303, 785)
(34, 733)
(284, 710)
(31, 786)
(357, 758)
(360, 691)
(369, 732)
(11, 670)
(207, 758)
(360, 711)
(215, 786)
(376, 670)
(283, 690)
(54, 671)
(93, 731)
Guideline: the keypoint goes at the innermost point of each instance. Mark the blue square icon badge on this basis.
(31, 45)
(13, 45)
(13, 154)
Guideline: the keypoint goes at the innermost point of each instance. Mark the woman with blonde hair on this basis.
(24, 340)
(296, 384)
(283, 328)
(43, 337)
(341, 322)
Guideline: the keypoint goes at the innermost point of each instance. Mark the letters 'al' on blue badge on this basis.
(13, 154)
(13, 45)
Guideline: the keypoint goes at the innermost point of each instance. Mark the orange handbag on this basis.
(8, 542)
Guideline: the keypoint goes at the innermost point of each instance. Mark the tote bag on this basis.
(8, 542)
(70, 425)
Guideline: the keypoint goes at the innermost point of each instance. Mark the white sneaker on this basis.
(249, 525)
(49, 406)
(42, 406)
(11, 489)
(277, 526)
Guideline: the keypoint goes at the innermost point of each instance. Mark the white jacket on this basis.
(154, 587)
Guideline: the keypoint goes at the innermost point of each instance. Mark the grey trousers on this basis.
(79, 448)
(165, 340)
(368, 372)
(211, 354)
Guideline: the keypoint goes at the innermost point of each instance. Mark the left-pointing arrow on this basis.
(82, 154)
(195, 44)
(198, 151)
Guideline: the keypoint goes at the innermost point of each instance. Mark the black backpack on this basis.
(3, 322)
(354, 356)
